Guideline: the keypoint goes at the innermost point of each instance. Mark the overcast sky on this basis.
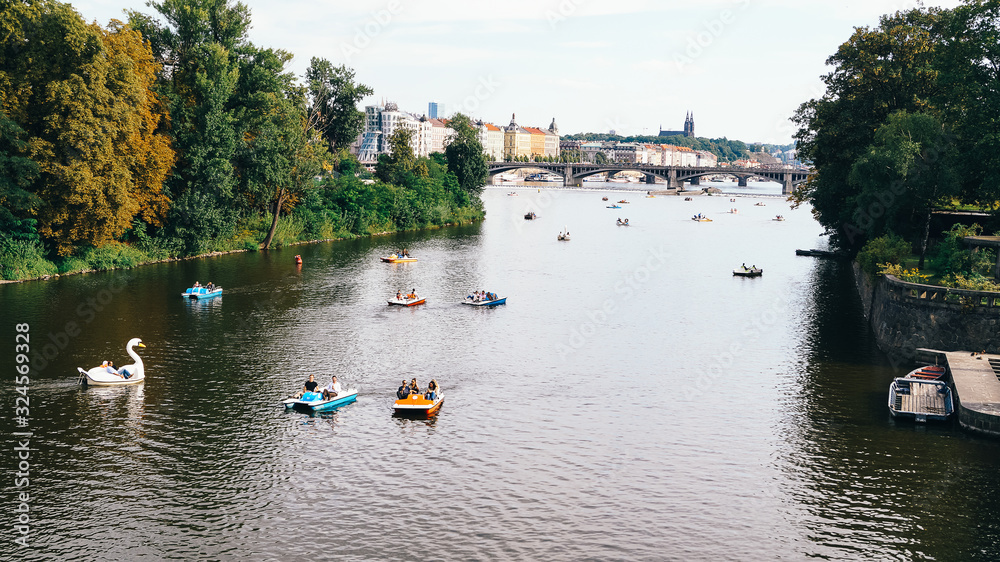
(742, 66)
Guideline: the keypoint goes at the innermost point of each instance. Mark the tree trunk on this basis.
(923, 245)
(274, 220)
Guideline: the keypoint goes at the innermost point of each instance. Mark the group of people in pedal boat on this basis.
(620, 221)
(210, 287)
(411, 296)
(409, 388)
(480, 296)
(109, 366)
(329, 391)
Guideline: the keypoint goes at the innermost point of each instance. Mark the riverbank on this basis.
(229, 252)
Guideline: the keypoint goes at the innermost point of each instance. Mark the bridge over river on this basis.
(675, 176)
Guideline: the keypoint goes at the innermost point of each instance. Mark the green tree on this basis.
(400, 160)
(877, 72)
(600, 158)
(466, 158)
(333, 102)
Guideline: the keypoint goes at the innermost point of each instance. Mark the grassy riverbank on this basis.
(340, 209)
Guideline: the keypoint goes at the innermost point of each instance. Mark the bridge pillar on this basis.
(786, 185)
(741, 181)
(696, 180)
(672, 182)
(650, 179)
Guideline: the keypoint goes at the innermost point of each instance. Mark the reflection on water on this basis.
(632, 400)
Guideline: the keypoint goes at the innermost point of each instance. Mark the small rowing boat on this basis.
(920, 400)
(927, 373)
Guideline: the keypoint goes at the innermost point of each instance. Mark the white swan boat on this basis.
(128, 374)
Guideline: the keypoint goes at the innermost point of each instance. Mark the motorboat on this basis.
(314, 401)
(496, 301)
(396, 258)
(417, 406)
(105, 375)
(927, 373)
(920, 400)
(745, 271)
(201, 292)
(407, 300)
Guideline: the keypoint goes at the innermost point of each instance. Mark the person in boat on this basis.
(403, 391)
(332, 389)
(626, 221)
(210, 287)
(196, 285)
(310, 386)
(406, 254)
(414, 387)
(432, 390)
(399, 295)
(744, 266)
(412, 295)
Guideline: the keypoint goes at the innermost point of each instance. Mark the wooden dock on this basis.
(975, 381)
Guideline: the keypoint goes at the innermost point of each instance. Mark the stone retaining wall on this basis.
(906, 316)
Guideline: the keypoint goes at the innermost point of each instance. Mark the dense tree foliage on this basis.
(333, 103)
(908, 122)
(466, 156)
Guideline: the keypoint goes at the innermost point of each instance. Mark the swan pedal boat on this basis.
(472, 302)
(314, 402)
(396, 259)
(417, 406)
(201, 293)
(748, 272)
(407, 302)
(99, 376)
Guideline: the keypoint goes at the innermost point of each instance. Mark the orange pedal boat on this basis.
(417, 406)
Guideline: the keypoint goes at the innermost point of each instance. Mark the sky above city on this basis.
(633, 66)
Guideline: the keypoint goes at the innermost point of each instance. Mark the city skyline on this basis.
(741, 66)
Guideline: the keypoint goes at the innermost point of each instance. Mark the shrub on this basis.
(954, 257)
(23, 259)
(908, 275)
(887, 249)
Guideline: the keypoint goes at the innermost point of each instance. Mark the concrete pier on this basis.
(976, 386)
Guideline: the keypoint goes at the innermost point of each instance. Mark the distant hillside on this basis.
(726, 150)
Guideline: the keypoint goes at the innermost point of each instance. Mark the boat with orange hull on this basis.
(927, 373)
(394, 258)
(417, 406)
(407, 301)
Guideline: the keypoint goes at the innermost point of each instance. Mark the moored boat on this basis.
(926, 372)
(104, 375)
(920, 400)
(314, 401)
(417, 406)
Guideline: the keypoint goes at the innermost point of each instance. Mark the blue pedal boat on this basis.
(314, 402)
(201, 293)
(472, 302)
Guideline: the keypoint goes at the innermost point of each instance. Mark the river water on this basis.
(633, 400)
